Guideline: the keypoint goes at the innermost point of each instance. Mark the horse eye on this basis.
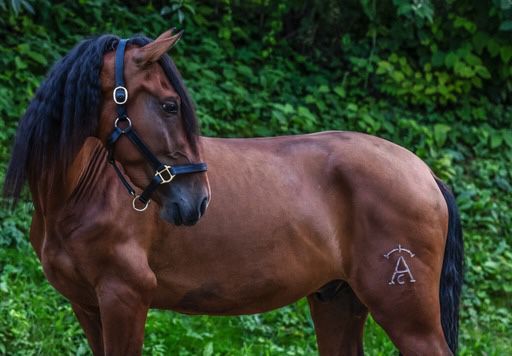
(170, 107)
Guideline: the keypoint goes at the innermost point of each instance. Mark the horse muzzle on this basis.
(181, 211)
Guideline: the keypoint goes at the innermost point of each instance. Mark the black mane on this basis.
(65, 111)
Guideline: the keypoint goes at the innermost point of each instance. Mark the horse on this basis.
(356, 224)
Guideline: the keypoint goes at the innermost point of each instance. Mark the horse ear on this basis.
(153, 51)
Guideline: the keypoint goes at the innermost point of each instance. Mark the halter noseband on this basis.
(164, 173)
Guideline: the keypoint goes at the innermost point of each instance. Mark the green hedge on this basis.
(433, 76)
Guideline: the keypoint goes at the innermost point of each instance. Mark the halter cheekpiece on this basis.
(164, 173)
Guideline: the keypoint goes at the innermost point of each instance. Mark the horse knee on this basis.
(137, 290)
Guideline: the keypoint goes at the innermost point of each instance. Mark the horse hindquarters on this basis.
(396, 264)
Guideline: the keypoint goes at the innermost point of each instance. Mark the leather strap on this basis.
(119, 65)
(188, 168)
(146, 194)
(120, 91)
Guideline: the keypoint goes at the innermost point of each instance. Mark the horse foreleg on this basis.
(339, 321)
(90, 321)
(123, 310)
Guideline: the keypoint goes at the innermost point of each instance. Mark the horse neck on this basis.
(84, 174)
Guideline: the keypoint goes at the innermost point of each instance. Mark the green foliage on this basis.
(16, 6)
(26, 302)
(432, 76)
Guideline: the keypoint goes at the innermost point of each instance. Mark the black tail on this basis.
(452, 272)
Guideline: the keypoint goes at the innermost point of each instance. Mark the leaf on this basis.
(20, 64)
(493, 47)
(507, 136)
(506, 26)
(181, 16)
(384, 67)
(496, 140)
(441, 133)
(477, 82)
(480, 40)
(245, 70)
(483, 72)
(437, 58)
(323, 89)
(208, 349)
(306, 114)
(16, 6)
(340, 91)
(506, 53)
(369, 122)
(165, 10)
(397, 76)
(464, 23)
(463, 70)
(472, 59)
(190, 8)
(450, 59)
(39, 58)
(352, 107)
(310, 99)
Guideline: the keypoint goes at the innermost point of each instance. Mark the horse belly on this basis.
(214, 297)
(261, 297)
(244, 276)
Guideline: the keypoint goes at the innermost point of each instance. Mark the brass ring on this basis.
(127, 127)
(139, 209)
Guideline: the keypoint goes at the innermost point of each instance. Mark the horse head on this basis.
(153, 103)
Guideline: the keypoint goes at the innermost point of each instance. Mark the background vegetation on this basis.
(433, 76)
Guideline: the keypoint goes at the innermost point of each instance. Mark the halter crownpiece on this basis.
(164, 174)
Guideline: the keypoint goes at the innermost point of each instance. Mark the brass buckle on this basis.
(165, 175)
(124, 96)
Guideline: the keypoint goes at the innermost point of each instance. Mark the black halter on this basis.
(163, 173)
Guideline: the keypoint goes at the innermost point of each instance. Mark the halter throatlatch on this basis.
(164, 173)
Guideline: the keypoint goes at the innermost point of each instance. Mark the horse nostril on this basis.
(178, 219)
(203, 206)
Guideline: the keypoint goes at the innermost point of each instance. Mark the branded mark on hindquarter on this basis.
(402, 269)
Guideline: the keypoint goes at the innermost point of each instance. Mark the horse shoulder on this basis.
(83, 225)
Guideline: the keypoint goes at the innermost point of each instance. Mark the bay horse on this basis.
(353, 222)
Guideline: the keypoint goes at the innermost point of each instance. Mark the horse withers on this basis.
(352, 222)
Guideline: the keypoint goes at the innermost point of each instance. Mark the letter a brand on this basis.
(401, 267)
